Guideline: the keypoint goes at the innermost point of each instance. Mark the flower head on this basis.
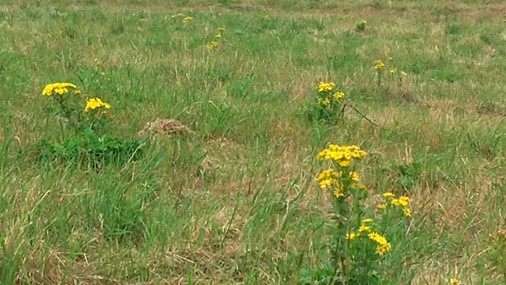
(381, 206)
(454, 281)
(388, 195)
(177, 15)
(59, 89)
(352, 236)
(364, 228)
(383, 245)
(96, 103)
(378, 65)
(339, 95)
(342, 155)
(212, 45)
(324, 87)
(187, 20)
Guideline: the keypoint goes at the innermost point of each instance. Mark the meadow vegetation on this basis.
(316, 142)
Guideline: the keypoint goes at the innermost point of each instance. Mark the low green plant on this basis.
(360, 27)
(361, 230)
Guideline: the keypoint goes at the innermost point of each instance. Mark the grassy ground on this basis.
(236, 201)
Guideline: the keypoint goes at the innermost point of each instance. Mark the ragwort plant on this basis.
(383, 71)
(327, 105)
(361, 230)
(84, 124)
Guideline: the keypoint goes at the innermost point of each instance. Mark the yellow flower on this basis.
(404, 201)
(327, 178)
(325, 102)
(97, 61)
(382, 249)
(59, 88)
(407, 212)
(338, 192)
(212, 45)
(187, 20)
(364, 228)
(381, 206)
(354, 176)
(177, 15)
(342, 155)
(339, 95)
(365, 221)
(323, 87)
(325, 183)
(267, 18)
(388, 195)
(352, 236)
(392, 71)
(221, 30)
(378, 65)
(383, 245)
(95, 103)
(218, 36)
(454, 281)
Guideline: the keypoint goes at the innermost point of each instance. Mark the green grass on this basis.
(236, 202)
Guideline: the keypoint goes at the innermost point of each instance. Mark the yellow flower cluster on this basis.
(402, 201)
(454, 281)
(363, 228)
(329, 98)
(341, 155)
(330, 177)
(378, 65)
(382, 246)
(327, 177)
(187, 20)
(59, 89)
(324, 87)
(338, 96)
(392, 71)
(323, 101)
(95, 103)
(177, 15)
(212, 45)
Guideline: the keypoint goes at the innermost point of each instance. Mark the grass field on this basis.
(234, 200)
